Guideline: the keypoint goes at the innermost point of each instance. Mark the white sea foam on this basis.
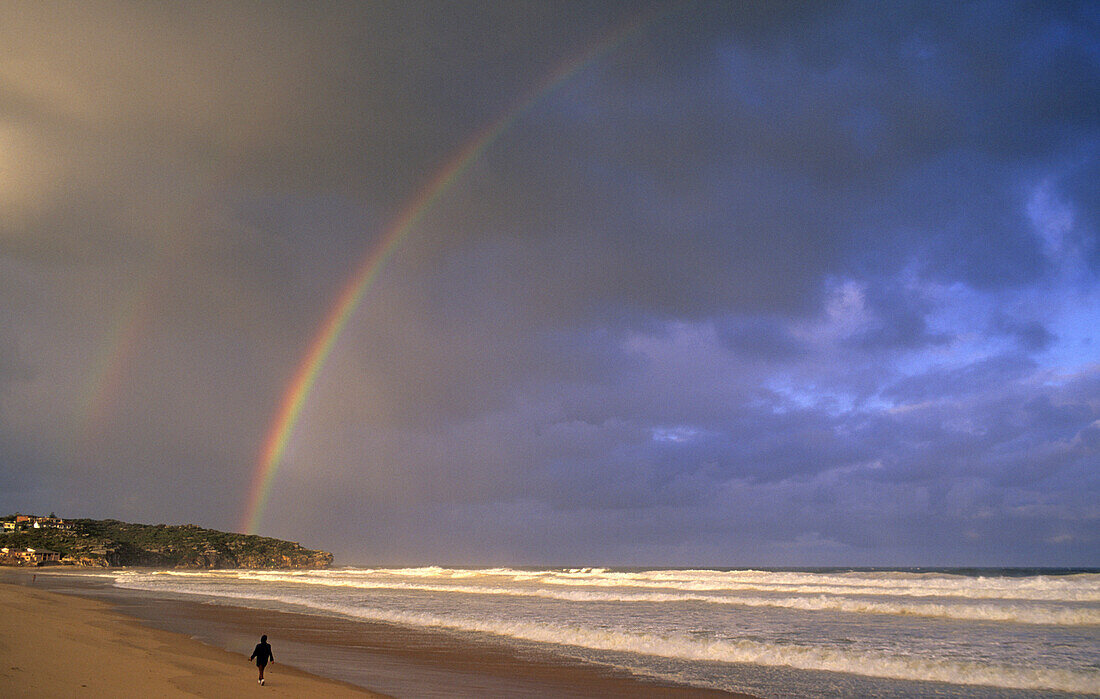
(1081, 588)
(1019, 613)
(1059, 588)
(689, 647)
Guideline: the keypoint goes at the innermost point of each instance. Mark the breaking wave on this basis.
(692, 647)
(1013, 612)
(1083, 587)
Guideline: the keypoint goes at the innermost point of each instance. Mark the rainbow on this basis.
(100, 390)
(298, 390)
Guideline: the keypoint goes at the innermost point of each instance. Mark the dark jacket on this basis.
(262, 653)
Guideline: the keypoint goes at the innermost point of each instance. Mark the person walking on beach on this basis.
(262, 654)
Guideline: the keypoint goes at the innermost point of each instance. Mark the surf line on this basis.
(349, 298)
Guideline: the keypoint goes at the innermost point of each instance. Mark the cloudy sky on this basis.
(756, 284)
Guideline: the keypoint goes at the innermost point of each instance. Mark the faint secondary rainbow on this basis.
(298, 390)
(101, 388)
(104, 383)
(100, 391)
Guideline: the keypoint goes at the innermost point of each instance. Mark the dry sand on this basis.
(54, 645)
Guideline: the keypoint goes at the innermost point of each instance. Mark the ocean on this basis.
(769, 633)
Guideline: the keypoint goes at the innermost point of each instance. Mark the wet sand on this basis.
(395, 660)
(55, 645)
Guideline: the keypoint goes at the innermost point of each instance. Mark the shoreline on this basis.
(367, 656)
(56, 644)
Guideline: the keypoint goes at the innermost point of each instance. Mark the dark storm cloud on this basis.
(1076, 184)
(739, 180)
(762, 281)
(342, 98)
(1032, 335)
(760, 338)
(899, 322)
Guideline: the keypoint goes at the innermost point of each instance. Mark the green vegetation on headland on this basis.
(109, 542)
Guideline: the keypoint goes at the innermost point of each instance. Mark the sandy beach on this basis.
(121, 644)
(57, 645)
(137, 632)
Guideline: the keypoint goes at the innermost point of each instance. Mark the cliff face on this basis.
(112, 543)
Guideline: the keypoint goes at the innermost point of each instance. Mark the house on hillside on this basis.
(12, 557)
(38, 522)
(29, 556)
(42, 556)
